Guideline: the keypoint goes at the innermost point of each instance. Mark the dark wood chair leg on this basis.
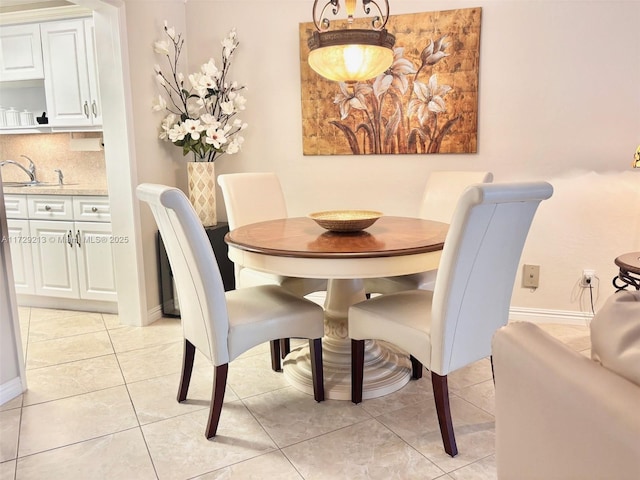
(188, 355)
(441, 395)
(275, 356)
(493, 375)
(285, 347)
(315, 352)
(416, 368)
(217, 397)
(357, 370)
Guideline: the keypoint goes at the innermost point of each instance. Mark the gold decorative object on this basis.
(346, 220)
(202, 191)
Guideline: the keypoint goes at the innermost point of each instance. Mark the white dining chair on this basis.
(224, 325)
(452, 326)
(441, 194)
(258, 197)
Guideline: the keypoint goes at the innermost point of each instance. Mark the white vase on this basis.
(202, 191)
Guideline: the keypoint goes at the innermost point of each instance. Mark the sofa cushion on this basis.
(615, 335)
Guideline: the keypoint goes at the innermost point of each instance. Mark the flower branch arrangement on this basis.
(202, 110)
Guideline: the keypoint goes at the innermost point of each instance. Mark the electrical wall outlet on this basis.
(587, 278)
(531, 276)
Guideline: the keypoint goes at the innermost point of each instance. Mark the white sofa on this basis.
(562, 415)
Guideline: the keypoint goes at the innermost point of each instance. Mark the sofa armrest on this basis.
(560, 415)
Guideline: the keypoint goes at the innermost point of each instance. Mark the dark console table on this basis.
(170, 305)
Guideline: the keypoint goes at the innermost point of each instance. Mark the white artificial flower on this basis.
(227, 108)
(161, 47)
(193, 128)
(156, 68)
(215, 137)
(159, 104)
(160, 79)
(210, 68)
(210, 121)
(177, 132)
(240, 102)
(170, 31)
(166, 125)
(237, 123)
(234, 145)
(244, 125)
(180, 77)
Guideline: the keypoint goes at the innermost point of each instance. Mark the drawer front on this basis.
(91, 209)
(16, 206)
(50, 207)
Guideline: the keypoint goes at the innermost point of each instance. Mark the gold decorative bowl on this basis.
(346, 220)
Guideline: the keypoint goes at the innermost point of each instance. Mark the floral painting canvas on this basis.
(426, 102)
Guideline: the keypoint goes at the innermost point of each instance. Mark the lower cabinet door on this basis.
(21, 259)
(54, 259)
(96, 273)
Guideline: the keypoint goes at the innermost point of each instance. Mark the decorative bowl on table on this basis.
(345, 220)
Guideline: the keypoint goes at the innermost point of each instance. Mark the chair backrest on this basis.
(252, 197)
(443, 190)
(203, 307)
(477, 270)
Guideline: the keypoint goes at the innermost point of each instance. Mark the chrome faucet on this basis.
(31, 171)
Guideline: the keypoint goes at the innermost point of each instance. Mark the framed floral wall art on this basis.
(426, 102)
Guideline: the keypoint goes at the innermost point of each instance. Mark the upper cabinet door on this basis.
(20, 53)
(69, 77)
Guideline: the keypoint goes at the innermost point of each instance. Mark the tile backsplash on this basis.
(52, 151)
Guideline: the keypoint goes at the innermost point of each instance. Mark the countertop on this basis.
(71, 189)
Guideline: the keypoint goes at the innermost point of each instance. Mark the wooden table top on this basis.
(629, 262)
(302, 237)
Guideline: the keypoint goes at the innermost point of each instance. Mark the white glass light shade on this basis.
(351, 55)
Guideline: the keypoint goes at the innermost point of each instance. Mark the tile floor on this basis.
(101, 405)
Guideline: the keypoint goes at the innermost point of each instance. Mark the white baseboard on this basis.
(154, 314)
(539, 315)
(10, 390)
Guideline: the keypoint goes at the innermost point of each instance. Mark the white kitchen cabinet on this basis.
(21, 258)
(69, 252)
(20, 53)
(54, 259)
(70, 73)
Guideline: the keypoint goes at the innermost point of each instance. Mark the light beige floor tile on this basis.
(290, 416)
(271, 465)
(472, 374)
(11, 404)
(416, 391)
(68, 349)
(418, 426)
(155, 399)
(46, 313)
(179, 448)
(576, 337)
(9, 431)
(151, 362)
(367, 450)
(8, 470)
(253, 376)
(484, 469)
(112, 321)
(120, 455)
(48, 328)
(164, 330)
(73, 378)
(482, 395)
(75, 419)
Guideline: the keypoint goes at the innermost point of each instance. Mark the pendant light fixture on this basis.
(350, 55)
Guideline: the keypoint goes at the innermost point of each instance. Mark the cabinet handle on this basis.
(86, 109)
(47, 208)
(94, 209)
(94, 109)
(70, 239)
(78, 239)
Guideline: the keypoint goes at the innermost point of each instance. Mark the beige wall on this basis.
(559, 101)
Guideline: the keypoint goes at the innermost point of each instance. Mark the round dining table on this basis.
(298, 247)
